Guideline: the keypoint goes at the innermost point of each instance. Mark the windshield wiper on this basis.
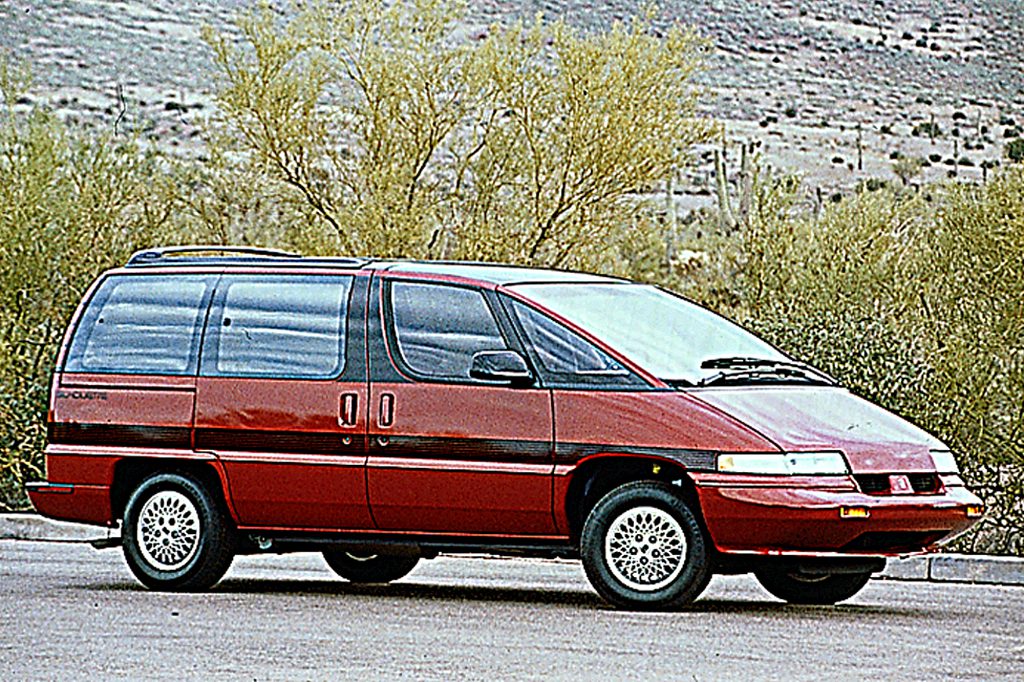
(740, 362)
(762, 369)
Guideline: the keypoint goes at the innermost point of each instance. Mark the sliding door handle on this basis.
(387, 411)
(347, 410)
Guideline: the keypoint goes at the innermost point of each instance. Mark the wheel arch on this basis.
(597, 475)
(131, 471)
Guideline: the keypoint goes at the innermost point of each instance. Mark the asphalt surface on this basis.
(68, 611)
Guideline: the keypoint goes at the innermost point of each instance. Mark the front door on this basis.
(281, 399)
(447, 453)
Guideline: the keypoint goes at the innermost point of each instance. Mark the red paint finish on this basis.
(655, 419)
(783, 515)
(80, 465)
(290, 458)
(829, 418)
(90, 408)
(629, 422)
(461, 459)
(82, 503)
(123, 400)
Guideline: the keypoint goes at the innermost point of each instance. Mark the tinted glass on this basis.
(665, 334)
(562, 351)
(279, 327)
(439, 328)
(141, 325)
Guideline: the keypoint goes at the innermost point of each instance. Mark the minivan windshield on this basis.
(665, 334)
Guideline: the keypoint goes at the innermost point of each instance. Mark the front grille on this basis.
(894, 541)
(924, 483)
(878, 484)
(873, 484)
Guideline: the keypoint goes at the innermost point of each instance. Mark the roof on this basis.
(231, 256)
(494, 273)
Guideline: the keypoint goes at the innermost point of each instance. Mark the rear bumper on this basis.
(805, 518)
(71, 502)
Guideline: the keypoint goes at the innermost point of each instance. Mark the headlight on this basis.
(785, 463)
(944, 462)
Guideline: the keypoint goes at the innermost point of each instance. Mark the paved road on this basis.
(68, 611)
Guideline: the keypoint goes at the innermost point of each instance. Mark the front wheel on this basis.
(369, 568)
(800, 588)
(643, 548)
(175, 535)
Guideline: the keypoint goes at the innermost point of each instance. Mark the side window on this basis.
(566, 355)
(286, 326)
(438, 328)
(141, 325)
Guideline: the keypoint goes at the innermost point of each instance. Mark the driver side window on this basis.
(438, 328)
(568, 358)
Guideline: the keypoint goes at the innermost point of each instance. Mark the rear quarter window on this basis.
(141, 325)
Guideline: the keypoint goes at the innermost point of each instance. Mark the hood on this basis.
(828, 418)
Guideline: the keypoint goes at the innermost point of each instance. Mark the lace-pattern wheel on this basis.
(168, 530)
(643, 548)
(176, 534)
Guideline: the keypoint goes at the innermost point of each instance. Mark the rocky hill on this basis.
(834, 89)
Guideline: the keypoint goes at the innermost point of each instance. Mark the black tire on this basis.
(666, 569)
(799, 588)
(176, 535)
(357, 567)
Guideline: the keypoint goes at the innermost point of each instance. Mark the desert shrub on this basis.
(907, 168)
(1015, 150)
(926, 129)
(403, 140)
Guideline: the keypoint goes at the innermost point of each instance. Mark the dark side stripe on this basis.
(120, 435)
(465, 449)
(249, 440)
(695, 460)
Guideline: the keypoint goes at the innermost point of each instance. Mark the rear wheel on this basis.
(175, 535)
(643, 548)
(358, 567)
(801, 588)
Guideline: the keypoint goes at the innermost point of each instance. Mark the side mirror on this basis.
(506, 366)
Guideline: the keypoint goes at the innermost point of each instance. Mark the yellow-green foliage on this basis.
(915, 300)
(405, 140)
(71, 204)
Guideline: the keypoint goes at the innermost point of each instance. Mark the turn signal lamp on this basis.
(854, 513)
(975, 510)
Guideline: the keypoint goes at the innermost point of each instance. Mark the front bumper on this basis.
(805, 516)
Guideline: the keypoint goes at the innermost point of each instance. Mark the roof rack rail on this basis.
(153, 256)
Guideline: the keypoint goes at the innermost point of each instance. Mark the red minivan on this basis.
(220, 401)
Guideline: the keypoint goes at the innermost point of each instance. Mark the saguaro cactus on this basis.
(727, 217)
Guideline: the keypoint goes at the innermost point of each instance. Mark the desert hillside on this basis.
(834, 90)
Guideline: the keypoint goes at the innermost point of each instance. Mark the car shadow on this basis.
(577, 599)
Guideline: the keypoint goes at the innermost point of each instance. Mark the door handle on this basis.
(387, 411)
(347, 410)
